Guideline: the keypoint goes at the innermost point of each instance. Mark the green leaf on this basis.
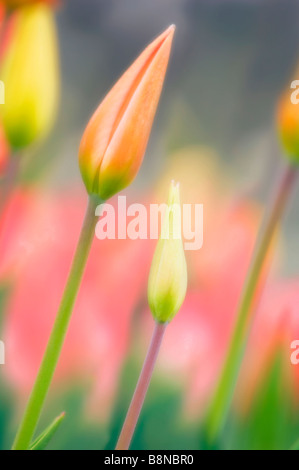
(295, 446)
(43, 440)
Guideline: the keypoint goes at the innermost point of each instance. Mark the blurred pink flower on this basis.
(275, 327)
(39, 235)
(37, 239)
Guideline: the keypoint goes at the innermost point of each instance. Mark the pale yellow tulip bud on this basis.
(168, 276)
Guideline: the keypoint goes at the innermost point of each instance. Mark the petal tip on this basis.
(167, 34)
(170, 31)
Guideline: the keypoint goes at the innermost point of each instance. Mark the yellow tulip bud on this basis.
(168, 276)
(30, 75)
(115, 139)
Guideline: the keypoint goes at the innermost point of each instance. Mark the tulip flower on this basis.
(110, 155)
(115, 140)
(30, 74)
(168, 277)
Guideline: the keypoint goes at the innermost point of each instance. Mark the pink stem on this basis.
(136, 405)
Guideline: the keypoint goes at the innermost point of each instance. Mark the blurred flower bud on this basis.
(168, 276)
(288, 120)
(19, 3)
(30, 75)
(115, 140)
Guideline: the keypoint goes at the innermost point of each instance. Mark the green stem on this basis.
(142, 386)
(51, 357)
(222, 399)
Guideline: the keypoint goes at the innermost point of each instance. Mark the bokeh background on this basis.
(230, 62)
(215, 132)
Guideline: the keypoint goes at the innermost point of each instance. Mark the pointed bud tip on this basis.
(171, 28)
(174, 193)
(169, 33)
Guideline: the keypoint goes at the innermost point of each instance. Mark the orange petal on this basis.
(116, 137)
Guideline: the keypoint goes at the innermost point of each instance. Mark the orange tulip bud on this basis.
(288, 121)
(115, 140)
